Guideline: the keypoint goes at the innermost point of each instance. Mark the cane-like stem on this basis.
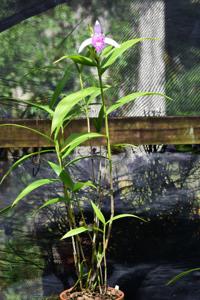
(106, 237)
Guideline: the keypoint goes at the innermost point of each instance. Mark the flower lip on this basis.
(98, 40)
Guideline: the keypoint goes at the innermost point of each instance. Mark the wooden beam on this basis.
(137, 131)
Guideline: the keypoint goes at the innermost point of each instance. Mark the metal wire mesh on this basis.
(169, 65)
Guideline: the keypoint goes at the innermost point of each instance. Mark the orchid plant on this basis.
(101, 53)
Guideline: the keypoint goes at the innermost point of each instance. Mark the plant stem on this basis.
(106, 238)
(94, 251)
(70, 216)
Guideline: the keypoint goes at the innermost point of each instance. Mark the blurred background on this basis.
(34, 35)
(159, 183)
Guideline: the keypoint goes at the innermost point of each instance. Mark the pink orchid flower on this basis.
(98, 40)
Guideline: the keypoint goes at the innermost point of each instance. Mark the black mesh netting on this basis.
(34, 33)
(162, 187)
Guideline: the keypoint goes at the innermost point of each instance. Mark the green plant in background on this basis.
(19, 255)
(91, 271)
(182, 275)
(10, 295)
(26, 70)
(187, 99)
(182, 82)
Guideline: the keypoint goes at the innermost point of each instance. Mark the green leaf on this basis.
(83, 60)
(5, 210)
(67, 103)
(75, 139)
(55, 167)
(19, 161)
(181, 275)
(83, 157)
(106, 51)
(74, 232)
(125, 216)
(117, 52)
(75, 112)
(97, 93)
(32, 186)
(98, 122)
(94, 228)
(100, 254)
(62, 174)
(60, 86)
(45, 108)
(28, 128)
(51, 202)
(66, 178)
(98, 213)
(81, 185)
(131, 97)
(79, 59)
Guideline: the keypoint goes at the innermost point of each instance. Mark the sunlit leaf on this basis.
(74, 232)
(106, 51)
(28, 128)
(32, 186)
(62, 174)
(45, 108)
(67, 103)
(132, 97)
(125, 216)
(97, 93)
(181, 275)
(94, 228)
(51, 202)
(98, 213)
(22, 159)
(81, 185)
(55, 167)
(117, 52)
(79, 59)
(60, 86)
(76, 139)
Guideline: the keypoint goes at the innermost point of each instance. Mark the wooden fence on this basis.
(137, 131)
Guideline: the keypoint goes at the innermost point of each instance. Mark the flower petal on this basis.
(84, 44)
(97, 28)
(111, 42)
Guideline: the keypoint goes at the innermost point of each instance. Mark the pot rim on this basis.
(63, 293)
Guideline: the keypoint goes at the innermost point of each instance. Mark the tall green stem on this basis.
(92, 271)
(70, 215)
(106, 238)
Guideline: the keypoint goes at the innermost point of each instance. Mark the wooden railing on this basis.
(137, 131)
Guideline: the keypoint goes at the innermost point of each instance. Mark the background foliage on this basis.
(29, 49)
